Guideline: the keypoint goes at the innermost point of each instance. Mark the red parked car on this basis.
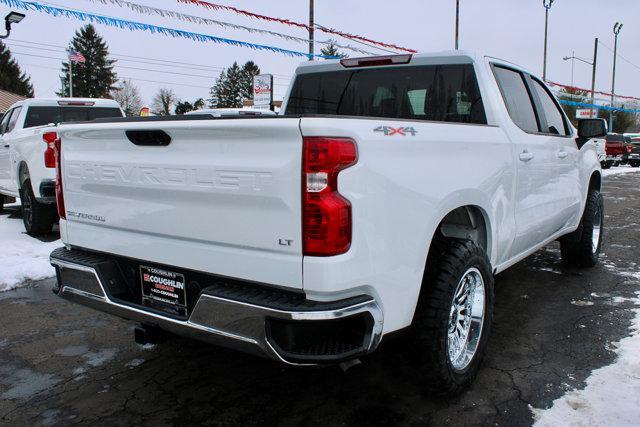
(616, 150)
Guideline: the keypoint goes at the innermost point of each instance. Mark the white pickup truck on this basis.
(27, 165)
(385, 198)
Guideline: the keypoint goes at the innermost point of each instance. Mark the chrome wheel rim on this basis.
(597, 225)
(466, 318)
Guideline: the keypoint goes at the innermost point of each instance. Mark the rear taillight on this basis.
(57, 144)
(326, 214)
(49, 158)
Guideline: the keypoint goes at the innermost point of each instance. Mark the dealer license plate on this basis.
(164, 287)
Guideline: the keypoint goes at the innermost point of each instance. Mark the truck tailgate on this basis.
(222, 197)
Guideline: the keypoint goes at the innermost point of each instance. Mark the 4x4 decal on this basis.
(402, 131)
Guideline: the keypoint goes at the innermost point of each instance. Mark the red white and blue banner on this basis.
(139, 26)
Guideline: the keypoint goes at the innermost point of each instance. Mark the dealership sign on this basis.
(263, 90)
(586, 114)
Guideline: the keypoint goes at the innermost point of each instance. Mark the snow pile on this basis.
(618, 170)
(612, 394)
(22, 257)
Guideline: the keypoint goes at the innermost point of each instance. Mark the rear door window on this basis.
(40, 116)
(517, 99)
(13, 120)
(5, 121)
(446, 93)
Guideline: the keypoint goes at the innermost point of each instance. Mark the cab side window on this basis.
(13, 119)
(5, 121)
(555, 119)
(517, 98)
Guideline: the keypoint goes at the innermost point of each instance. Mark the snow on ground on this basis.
(23, 258)
(618, 170)
(612, 394)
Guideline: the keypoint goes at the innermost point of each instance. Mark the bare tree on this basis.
(128, 96)
(163, 102)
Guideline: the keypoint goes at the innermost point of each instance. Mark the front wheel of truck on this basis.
(453, 321)
(582, 247)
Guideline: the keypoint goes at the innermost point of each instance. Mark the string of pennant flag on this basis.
(598, 107)
(139, 26)
(148, 10)
(551, 83)
(214, 6)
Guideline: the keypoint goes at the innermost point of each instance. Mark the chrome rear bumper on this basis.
(219, 318)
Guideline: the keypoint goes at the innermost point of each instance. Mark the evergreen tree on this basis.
(233, 86)
(95, 77)
(12, 79)
(330, 49)
(249, 71)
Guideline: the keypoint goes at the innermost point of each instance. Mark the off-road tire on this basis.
(38, 218)
(605, 165)
(448, 261)
(634, 164)
(577, 249)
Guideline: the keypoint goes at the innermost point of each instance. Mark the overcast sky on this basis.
(510, 29)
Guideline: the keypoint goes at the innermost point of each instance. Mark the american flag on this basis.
(75, 56)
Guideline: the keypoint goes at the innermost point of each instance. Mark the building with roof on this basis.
(7, 99)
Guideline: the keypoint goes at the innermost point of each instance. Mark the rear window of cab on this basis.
(40, 116)
(444, 93)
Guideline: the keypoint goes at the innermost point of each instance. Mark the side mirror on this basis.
(592, 128)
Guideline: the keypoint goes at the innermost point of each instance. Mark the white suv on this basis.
(27, 164)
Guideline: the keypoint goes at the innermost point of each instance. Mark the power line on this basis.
(132, 78)
(135, 68)
(176, 63)
(620, 56)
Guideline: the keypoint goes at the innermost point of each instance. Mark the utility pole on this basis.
(70, 78)
(593, 77)
(547, 5)
(311, 30)
(457, 22)
(616, 30)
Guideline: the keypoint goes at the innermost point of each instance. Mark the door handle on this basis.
(525, 156)
(562, 154)
(7, 145)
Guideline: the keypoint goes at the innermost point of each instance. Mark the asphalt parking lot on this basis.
(63, 364)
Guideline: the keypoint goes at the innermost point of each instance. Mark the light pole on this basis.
(616, 30)
(457, 21)
(11, 18)
(547, 5)
(572, 58)
(593, 74)
(311, 30)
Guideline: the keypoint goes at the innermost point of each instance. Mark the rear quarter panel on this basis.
(400, 189)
